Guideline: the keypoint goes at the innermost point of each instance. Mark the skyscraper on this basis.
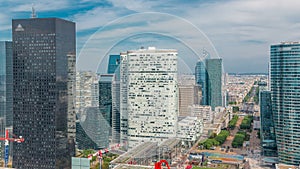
(208, 75)
(151, 94)
(201, 79)
(113, 63)
(41, 78)
(115, 124)
(285, 91)
(105, 97)
(5, 89)
(87, 90)
(114, 68)
(188, 94)
(267, 131)
(214, 82)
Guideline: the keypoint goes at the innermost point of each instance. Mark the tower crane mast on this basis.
(6, 143)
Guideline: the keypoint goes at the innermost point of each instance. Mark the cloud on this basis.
(45, 5)
(240, 29)
(95, 18)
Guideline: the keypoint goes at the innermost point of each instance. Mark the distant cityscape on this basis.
(142, 110)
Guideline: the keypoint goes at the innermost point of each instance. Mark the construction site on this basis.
(147, 154)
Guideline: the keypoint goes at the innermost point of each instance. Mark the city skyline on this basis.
(240, 30)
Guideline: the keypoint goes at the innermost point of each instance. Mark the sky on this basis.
(238, 31)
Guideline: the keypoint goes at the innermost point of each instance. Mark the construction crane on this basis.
(7, 140)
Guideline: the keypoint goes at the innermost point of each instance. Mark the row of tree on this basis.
(246, 123)
(215, 140)
(233, 121)
(239, 139)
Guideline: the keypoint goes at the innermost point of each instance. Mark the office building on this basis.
(188, 94)
(149, 79)
(115, 124)
(71, 87)
(114, 68)
(40, 92)
(201, 80)
(87, 90)
(209, 75)
(267, 130)
(105, 97)
(285, 95)
(6, 112)
(214, 82)
(113, 63)
(92, 129)
(203, 112)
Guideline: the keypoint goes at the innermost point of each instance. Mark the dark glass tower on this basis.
(105, 97)
(40, 92)
(267, 131)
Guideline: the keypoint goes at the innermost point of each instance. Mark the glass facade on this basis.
(285, 88)
(5, 89)
(105, 97)
(113, 63)
(116, 108)
(40, 92)
(267, 131)
(201, 77)
(93, 130)
(214, 82)
(80, 163)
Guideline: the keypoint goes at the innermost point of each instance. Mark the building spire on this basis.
(33, 14)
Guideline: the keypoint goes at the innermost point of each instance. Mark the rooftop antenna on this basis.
(33, 14)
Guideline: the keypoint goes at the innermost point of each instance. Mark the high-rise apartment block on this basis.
(149, 87)
(285, 92)
(40, 92)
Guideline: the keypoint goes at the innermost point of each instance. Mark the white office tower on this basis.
(149, 85)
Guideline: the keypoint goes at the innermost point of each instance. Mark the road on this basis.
(233, 132)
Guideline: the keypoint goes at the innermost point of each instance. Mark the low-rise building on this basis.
(190, 129)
